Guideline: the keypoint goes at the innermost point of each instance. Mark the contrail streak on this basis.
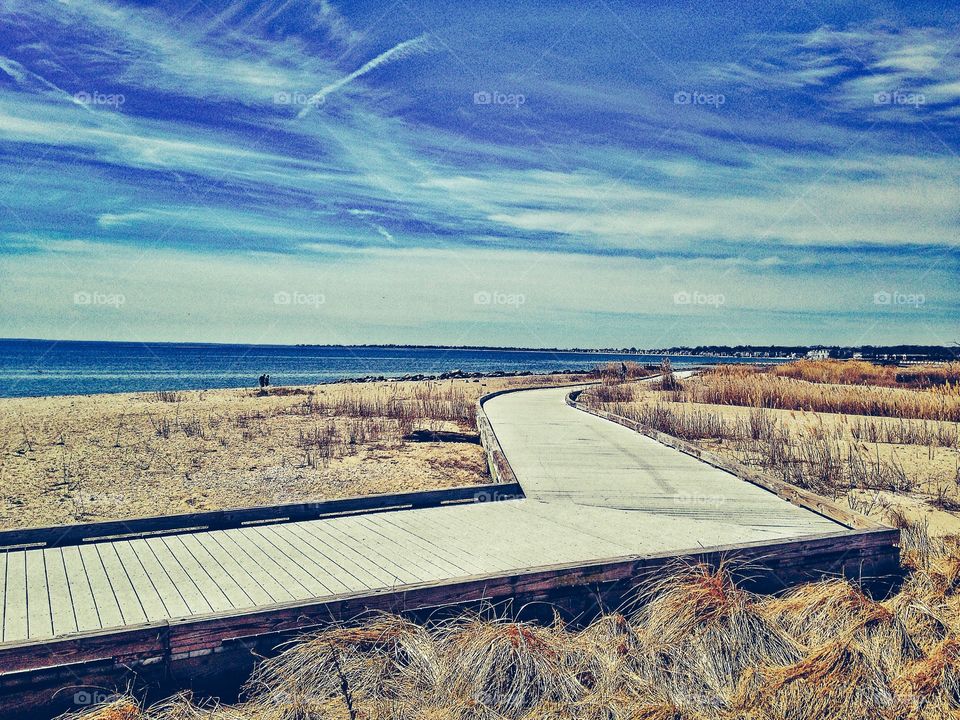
(30, 79)
(398, 52)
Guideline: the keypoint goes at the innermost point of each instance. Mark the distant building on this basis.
(818, 354)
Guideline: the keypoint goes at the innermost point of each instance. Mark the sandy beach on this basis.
(94, 457)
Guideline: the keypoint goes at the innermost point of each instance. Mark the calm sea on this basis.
(45, 367)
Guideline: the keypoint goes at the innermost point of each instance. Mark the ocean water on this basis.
(46, 367)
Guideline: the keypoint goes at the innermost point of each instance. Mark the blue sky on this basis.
(587, 174)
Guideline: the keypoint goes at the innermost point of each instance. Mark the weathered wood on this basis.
(39, 618)
(797, 496)
(104, 597)
(62, 535)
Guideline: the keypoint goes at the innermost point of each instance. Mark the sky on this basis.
(595, 174)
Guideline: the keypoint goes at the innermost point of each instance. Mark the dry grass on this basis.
(861, 372)
(739, 385)
(82, 458)
(696, 646)
(618, 372)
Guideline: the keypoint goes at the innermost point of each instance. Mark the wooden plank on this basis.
(394, 538)
(444, 555)
(61, 601)
(232, 591)
(291, 561)
(210, 589)
(3, 591)
(108, 607)
(84, 606)
(128, 598)
(173, 603)
(394, 546)
(39, 620)
(454, 546)
(334, 578)
(484, 543)
(496, 541)
(387, 573)
(270, 584)
(330, 545)
(255, 560)
(372, 550)
(192, 595)
(550, 584)
(251, 586)
(536, 532)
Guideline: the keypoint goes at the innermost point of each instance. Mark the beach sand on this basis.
(85, 458)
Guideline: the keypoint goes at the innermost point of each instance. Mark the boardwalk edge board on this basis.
(111, 530)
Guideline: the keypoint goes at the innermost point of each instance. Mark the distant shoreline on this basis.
(759, 351)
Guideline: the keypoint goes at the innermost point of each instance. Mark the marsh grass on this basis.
(862, 372)
(614, 372)
(779, 388)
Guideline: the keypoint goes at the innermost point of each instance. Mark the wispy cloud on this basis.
(860, 68)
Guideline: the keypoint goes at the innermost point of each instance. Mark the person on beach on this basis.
(263, 381)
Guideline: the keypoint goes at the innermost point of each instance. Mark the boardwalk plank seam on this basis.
(228, 564)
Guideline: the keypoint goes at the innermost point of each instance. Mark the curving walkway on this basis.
(605, 479)
(595, 490)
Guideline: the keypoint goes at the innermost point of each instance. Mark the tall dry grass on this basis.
(425, 401)
(616, 372)
(695, 646)
(737, 385)
(862, 372)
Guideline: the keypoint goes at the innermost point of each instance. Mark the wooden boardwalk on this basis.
(594, 490)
